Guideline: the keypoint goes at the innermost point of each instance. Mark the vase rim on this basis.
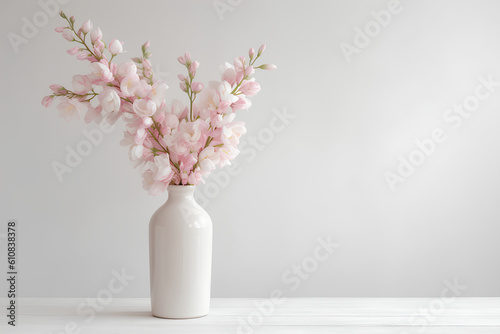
(176, 188)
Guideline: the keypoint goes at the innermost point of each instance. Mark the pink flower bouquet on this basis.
(172, 143)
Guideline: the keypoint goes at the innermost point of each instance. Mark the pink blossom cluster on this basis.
(172, 143)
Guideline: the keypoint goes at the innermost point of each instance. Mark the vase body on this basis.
(180, 256)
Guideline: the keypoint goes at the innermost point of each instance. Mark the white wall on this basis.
(323, 174)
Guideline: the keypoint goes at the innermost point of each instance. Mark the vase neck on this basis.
(175, 191)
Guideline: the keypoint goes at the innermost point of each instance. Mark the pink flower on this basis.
(187, 57)
(146, 122)
(109, 100)
(239, 63)
(158, 93)
(86, 26)
(143, 89)
(241, 103)
(218, 97)
(194, 178)
(140, 135)
(99, 48)
(69, 108)
(129, 84)
(208, 159)
(171, 121)
(96, 35)
(83, 55)
(181, 60)
(81, 84)
(101, 72)
(196, 87)
(249, 87)
(251, 52)
(193, 67)
(125, 68)
(160, 168)
(59, 29)
(153, 187)
(115, 47)
(47, 101)
(144, 108)
(93, 113)
(227, 153)
(249, 70)
(185, 60)
(188, 136)
(228, 73)
(73, 51)
(136, 152)
(58, 89)
(232, 132)
(146, 67)
(183, 86)
(68, 35)
(226, 98)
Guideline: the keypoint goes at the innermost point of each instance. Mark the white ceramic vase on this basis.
(180, 256)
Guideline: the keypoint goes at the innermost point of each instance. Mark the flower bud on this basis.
(193, 67)
(47, 101)
(96, 35)
(183, 86)
(73, 51)
(187, 57)
(196, 87)
(86, 26)
(268, 67)
(68, 35)
(115, 47)
(261, 49)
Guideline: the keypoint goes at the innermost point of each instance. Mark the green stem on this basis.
(81, 41)
(165, 150)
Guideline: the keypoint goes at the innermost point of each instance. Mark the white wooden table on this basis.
(242, 316)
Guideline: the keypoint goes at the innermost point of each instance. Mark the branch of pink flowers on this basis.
(173, 143)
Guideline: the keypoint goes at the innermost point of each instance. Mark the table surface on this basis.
(262, 316)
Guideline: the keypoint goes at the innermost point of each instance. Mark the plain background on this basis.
(322, 175)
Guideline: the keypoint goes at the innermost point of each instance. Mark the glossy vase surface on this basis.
(180, 256)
